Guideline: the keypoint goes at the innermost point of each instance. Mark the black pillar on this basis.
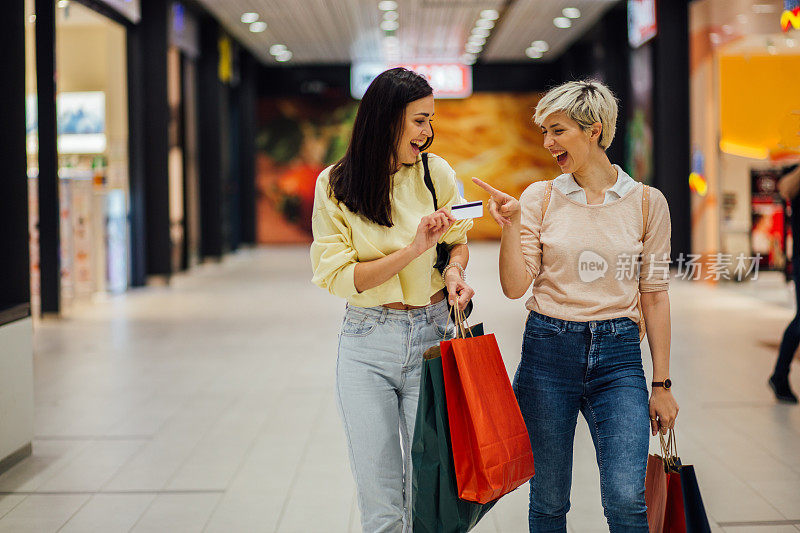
(247, 149)
(672, 145)
(15, 266)
(210, 126)
(136, 157)
(155, 121)
(49, 260)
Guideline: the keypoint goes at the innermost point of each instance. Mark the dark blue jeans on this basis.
(791, 337)
(595, 368)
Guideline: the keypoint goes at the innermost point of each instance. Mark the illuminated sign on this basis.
(130, 9)
(81, 122)
(449, 80)
(641, 21)
(790, 18)
(184, 31)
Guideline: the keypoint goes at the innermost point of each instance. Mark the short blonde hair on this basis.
(585, 102)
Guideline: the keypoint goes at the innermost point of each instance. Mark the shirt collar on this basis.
(620, 188)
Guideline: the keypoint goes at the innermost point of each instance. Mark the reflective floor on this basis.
(209, 406)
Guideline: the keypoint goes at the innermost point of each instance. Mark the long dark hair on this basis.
(361, 180)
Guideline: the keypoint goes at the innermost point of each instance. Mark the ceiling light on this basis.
(562, 22)
(542, 46)
(258, 27)
(742, 18)
(727, 28)
(391, 15)
(763, 8)
(533, 53)
(715, 38)
(276, 49)
(772, 49)
(389, 25)
(63, 3)
(249, 18)
(468, 59)
(790, 43)
(481, 32)
(571, 12)
(489, 14)
(32, 19)
(473, 48)
(476, 39)
(484, 23)
(387, 5)
(284, 56)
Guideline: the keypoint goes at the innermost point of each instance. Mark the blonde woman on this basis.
(595, 245)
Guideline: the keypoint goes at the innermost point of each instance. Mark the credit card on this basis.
(468, 210)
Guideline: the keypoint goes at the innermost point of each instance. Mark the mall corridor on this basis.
(208, 405)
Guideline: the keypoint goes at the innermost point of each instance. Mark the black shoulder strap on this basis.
(428, 180)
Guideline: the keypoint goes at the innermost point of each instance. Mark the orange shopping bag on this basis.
(491, 448)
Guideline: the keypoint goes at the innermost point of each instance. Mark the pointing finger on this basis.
(486, 187)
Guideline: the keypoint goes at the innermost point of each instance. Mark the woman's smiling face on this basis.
(416, 130)
(570, 144)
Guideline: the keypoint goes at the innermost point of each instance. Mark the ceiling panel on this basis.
(532, 20)
(325, 32)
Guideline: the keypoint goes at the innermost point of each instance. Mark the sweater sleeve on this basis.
(333, 257)
(654, 272)
(448, 195)
(531, 224)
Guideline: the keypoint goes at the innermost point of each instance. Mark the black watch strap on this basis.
(666, 384)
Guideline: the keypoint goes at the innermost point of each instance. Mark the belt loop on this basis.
(429, 313)
(384, 312)
(613, 327)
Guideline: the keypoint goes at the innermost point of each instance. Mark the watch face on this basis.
(667, 383)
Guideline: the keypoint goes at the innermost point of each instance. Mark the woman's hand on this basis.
(663, 410)
(503, 207)
(457, 289)
(430, 230)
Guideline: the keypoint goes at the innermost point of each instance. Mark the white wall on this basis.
(16, 386)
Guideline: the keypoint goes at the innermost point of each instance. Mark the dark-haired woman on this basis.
(375, 233)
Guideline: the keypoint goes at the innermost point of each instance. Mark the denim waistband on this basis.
(600, 326)
(429, 312)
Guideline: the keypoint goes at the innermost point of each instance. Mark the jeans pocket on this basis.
(358, 325)
(627, 331)
(536, 328)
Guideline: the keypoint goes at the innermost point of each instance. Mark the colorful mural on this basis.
(489, 135)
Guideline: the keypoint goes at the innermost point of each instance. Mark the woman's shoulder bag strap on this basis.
(548, 189)
(429, 181)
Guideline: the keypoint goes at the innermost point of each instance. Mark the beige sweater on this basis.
(588, 262)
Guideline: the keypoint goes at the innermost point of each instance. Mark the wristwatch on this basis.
(667, 384)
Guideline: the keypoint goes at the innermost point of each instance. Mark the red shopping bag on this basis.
(655, 492)
(491, 447)
(674, 504)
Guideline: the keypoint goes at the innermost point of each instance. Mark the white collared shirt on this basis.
(566, 183)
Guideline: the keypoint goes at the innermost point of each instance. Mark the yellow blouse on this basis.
(342, 238)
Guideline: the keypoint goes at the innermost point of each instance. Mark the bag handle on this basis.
(429, 181)
(669, 449)
(460, 321)
(645, 217)
(645, 209)
(548, 189)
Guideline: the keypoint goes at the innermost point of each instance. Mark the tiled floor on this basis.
(208, 406)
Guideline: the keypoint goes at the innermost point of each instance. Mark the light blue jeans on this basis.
(377, 385)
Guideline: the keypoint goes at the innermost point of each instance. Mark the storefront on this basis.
(184, 185)
(90, 189)
(745, 116)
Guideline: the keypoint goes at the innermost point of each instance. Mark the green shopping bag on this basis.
(436, 507)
